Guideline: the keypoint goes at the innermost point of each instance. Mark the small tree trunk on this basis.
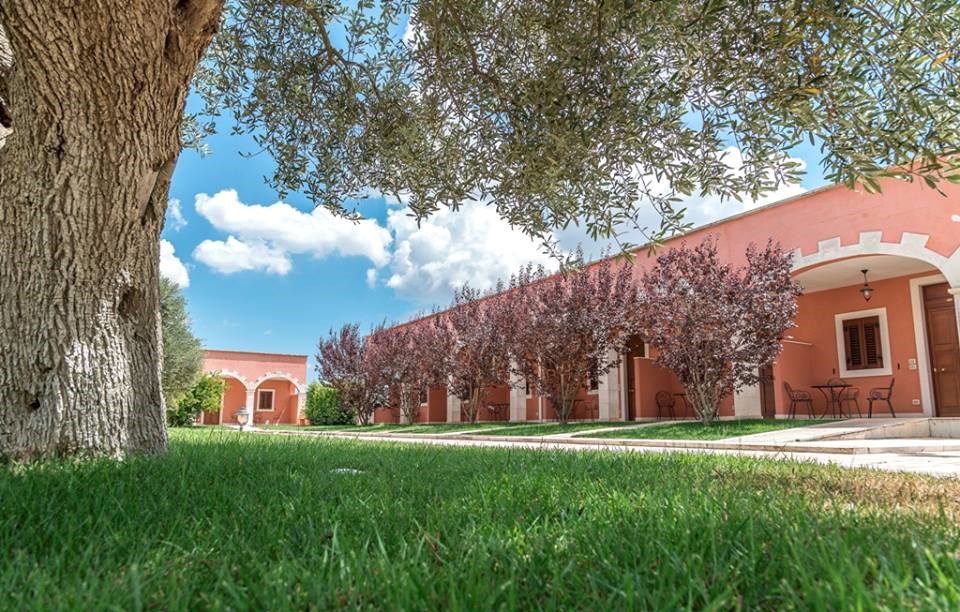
(96, 99)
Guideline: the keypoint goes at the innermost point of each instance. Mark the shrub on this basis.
(206, 395)
(324, 408)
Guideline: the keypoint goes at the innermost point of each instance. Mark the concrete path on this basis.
(944, 463)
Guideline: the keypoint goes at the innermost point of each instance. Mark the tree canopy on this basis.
(182, 351)
(584, 112)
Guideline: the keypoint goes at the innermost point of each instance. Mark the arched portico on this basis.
(837, 327)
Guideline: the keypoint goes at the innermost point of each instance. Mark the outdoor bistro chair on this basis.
(665, 402)
(849, 395)
(881, 394)
(798, 397)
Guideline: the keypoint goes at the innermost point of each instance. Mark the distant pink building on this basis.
(272, 386)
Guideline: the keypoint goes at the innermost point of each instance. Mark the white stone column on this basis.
(453, 407)
(249, 405)
(301, 406)
(518, 397)
(608, 392)
(746, 403)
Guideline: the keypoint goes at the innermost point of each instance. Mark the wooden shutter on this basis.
(862, 345)
(872, 351)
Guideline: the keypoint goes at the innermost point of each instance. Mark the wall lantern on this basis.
(866, 291)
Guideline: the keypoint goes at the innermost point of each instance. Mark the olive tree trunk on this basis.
(95, 98)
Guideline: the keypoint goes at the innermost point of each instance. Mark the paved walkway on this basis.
(898, 457)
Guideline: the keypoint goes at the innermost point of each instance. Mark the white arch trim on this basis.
(871, 243)
(237, 375)
(911, 245)
(279, 376)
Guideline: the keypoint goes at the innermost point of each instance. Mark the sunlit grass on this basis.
(244, 521)
(694, 430)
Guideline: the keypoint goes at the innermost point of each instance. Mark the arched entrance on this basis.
(276, 398)
(906, 333)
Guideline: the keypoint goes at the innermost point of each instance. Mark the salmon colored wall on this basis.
(802, 366)
(234, 398)
(386, 415)
(284, 403)
(836, 211)
(652, 378)
(499, 394)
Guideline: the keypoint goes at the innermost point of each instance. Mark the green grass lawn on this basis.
(694, 430)
(243, 521)
(549, 429)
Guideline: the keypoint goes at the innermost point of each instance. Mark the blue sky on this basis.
(276, 279)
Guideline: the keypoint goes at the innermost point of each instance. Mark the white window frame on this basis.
(273, 400)
(881, 314)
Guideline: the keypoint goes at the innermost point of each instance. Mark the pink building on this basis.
(271, 386)
(907, 239)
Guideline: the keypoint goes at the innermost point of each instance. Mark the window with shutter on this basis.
(862, 343)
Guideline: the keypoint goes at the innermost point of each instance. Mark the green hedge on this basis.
(323, 406)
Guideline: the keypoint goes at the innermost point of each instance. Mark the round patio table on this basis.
(833, 397)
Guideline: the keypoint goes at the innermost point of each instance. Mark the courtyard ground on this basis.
(243, 521)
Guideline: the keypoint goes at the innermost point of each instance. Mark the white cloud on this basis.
(171, 267)
(175, 219)
(372, 278)
(473, 245)
(264, 237)
(235, 255)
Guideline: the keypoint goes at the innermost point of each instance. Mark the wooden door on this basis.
(635, 349)
(768, 403)
(942, 340)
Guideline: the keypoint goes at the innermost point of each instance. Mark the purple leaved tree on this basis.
(343, 362)
(481, 332)
(410, 359)
(572, 327)
(713, 324)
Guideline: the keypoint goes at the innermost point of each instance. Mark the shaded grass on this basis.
(694, 430)
(391, 427)
(228, 520)
(549, 429)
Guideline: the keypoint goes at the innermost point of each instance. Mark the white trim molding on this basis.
(920, 333)
(298, 386)
(911, 245)
(887, 368)
(236, 375)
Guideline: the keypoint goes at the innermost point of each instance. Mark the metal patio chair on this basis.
(850, 395)
(881, 394)
(798, 397)
(665, 402)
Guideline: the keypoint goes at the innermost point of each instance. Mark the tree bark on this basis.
(95, 98)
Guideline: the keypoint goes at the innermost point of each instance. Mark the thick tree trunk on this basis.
(95, 98)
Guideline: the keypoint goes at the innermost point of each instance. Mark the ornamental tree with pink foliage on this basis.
(481, 334)
(409, 359)
(343, 363)
(572, 327)
(713, 324)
